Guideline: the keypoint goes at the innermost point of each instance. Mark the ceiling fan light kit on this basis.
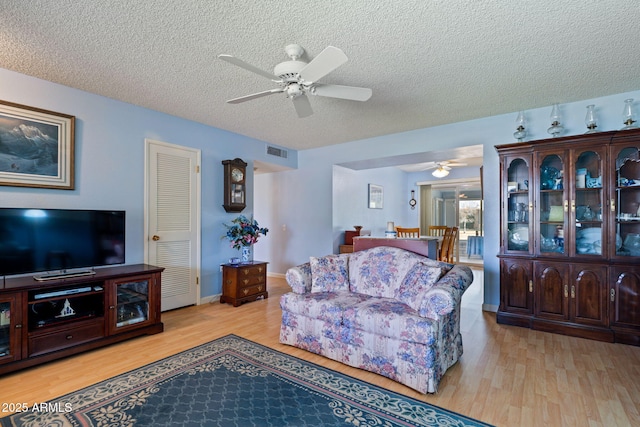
(441, 169)
(440, 172)
(297, 78)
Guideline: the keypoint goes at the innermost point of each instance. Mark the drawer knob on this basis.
(69, 337)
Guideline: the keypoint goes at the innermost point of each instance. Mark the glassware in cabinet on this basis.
(552, 204)
(586, 203)
(519, 206)
(627, 202)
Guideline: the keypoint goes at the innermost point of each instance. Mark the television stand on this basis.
(41, 321)
(64, 274)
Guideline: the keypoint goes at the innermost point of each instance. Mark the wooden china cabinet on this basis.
(570, 235)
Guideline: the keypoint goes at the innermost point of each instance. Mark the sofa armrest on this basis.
(299, 278)
(444, 297)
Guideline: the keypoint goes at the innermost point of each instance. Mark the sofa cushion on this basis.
(418, 280)
(328, 306)
(330, 273)
(390, 318)
(379, 271)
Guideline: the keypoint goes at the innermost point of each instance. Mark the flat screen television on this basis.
(58, 240)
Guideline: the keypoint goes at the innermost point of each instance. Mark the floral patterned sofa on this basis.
(385, 310)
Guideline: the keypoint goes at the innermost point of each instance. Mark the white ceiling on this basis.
(427, 62)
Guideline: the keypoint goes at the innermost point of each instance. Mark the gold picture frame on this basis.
(36, 147)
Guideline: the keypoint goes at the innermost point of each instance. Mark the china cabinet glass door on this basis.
(626, 204)
(519, 206)
(587, 204)
(553, 206)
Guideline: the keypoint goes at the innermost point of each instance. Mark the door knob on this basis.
(155, 238)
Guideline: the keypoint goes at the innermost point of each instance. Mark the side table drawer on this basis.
(251, 280)
(251, 290)
(63, 338)
(252, 270)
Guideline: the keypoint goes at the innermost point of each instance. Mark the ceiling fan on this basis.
(441, 169)
(297, 78)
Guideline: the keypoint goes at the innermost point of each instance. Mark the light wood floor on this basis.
(508, 376)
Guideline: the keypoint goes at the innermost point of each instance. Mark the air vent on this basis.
(274, 151)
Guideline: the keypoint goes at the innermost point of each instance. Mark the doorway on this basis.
(459, 205)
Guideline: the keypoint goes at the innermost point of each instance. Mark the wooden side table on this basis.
(244, 282)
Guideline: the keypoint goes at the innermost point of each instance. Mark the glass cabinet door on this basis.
(626, 204)
(552, 204)
(586, 204)
(519, 206)
(132, 302)
(10, 328)
(5, 328)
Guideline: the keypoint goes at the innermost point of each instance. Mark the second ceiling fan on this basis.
(297, 78)
(441, 169)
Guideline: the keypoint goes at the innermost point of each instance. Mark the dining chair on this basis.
(443, 248)
(408, 233)
(452, 245)
(437, 230)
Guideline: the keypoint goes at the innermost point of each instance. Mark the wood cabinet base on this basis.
(58, 318)
(564, 328)
(69, 351)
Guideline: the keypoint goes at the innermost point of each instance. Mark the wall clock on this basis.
(235, 185)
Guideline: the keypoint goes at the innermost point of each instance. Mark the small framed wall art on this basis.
(37, 148)
(376, 196)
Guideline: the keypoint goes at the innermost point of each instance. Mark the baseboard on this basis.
(276, 275)
(490, 307)
(210, 299)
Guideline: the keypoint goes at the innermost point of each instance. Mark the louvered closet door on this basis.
(173, 227)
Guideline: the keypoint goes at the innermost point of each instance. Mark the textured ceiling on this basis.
(428, 62)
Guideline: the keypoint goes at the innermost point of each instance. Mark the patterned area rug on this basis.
(235, 382)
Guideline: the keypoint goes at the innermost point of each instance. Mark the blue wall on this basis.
(297, 205)
(109, 164)
(307, 210)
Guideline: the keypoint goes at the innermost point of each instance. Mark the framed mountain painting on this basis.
(36, 147)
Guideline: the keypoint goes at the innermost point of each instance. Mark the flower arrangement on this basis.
(244, 232)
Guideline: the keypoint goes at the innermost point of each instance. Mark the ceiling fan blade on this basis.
(326, 61)
(254, 96)
(302, 106)
(343, 92)
(240, 63)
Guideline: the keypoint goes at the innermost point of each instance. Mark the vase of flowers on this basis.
(243, 233)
